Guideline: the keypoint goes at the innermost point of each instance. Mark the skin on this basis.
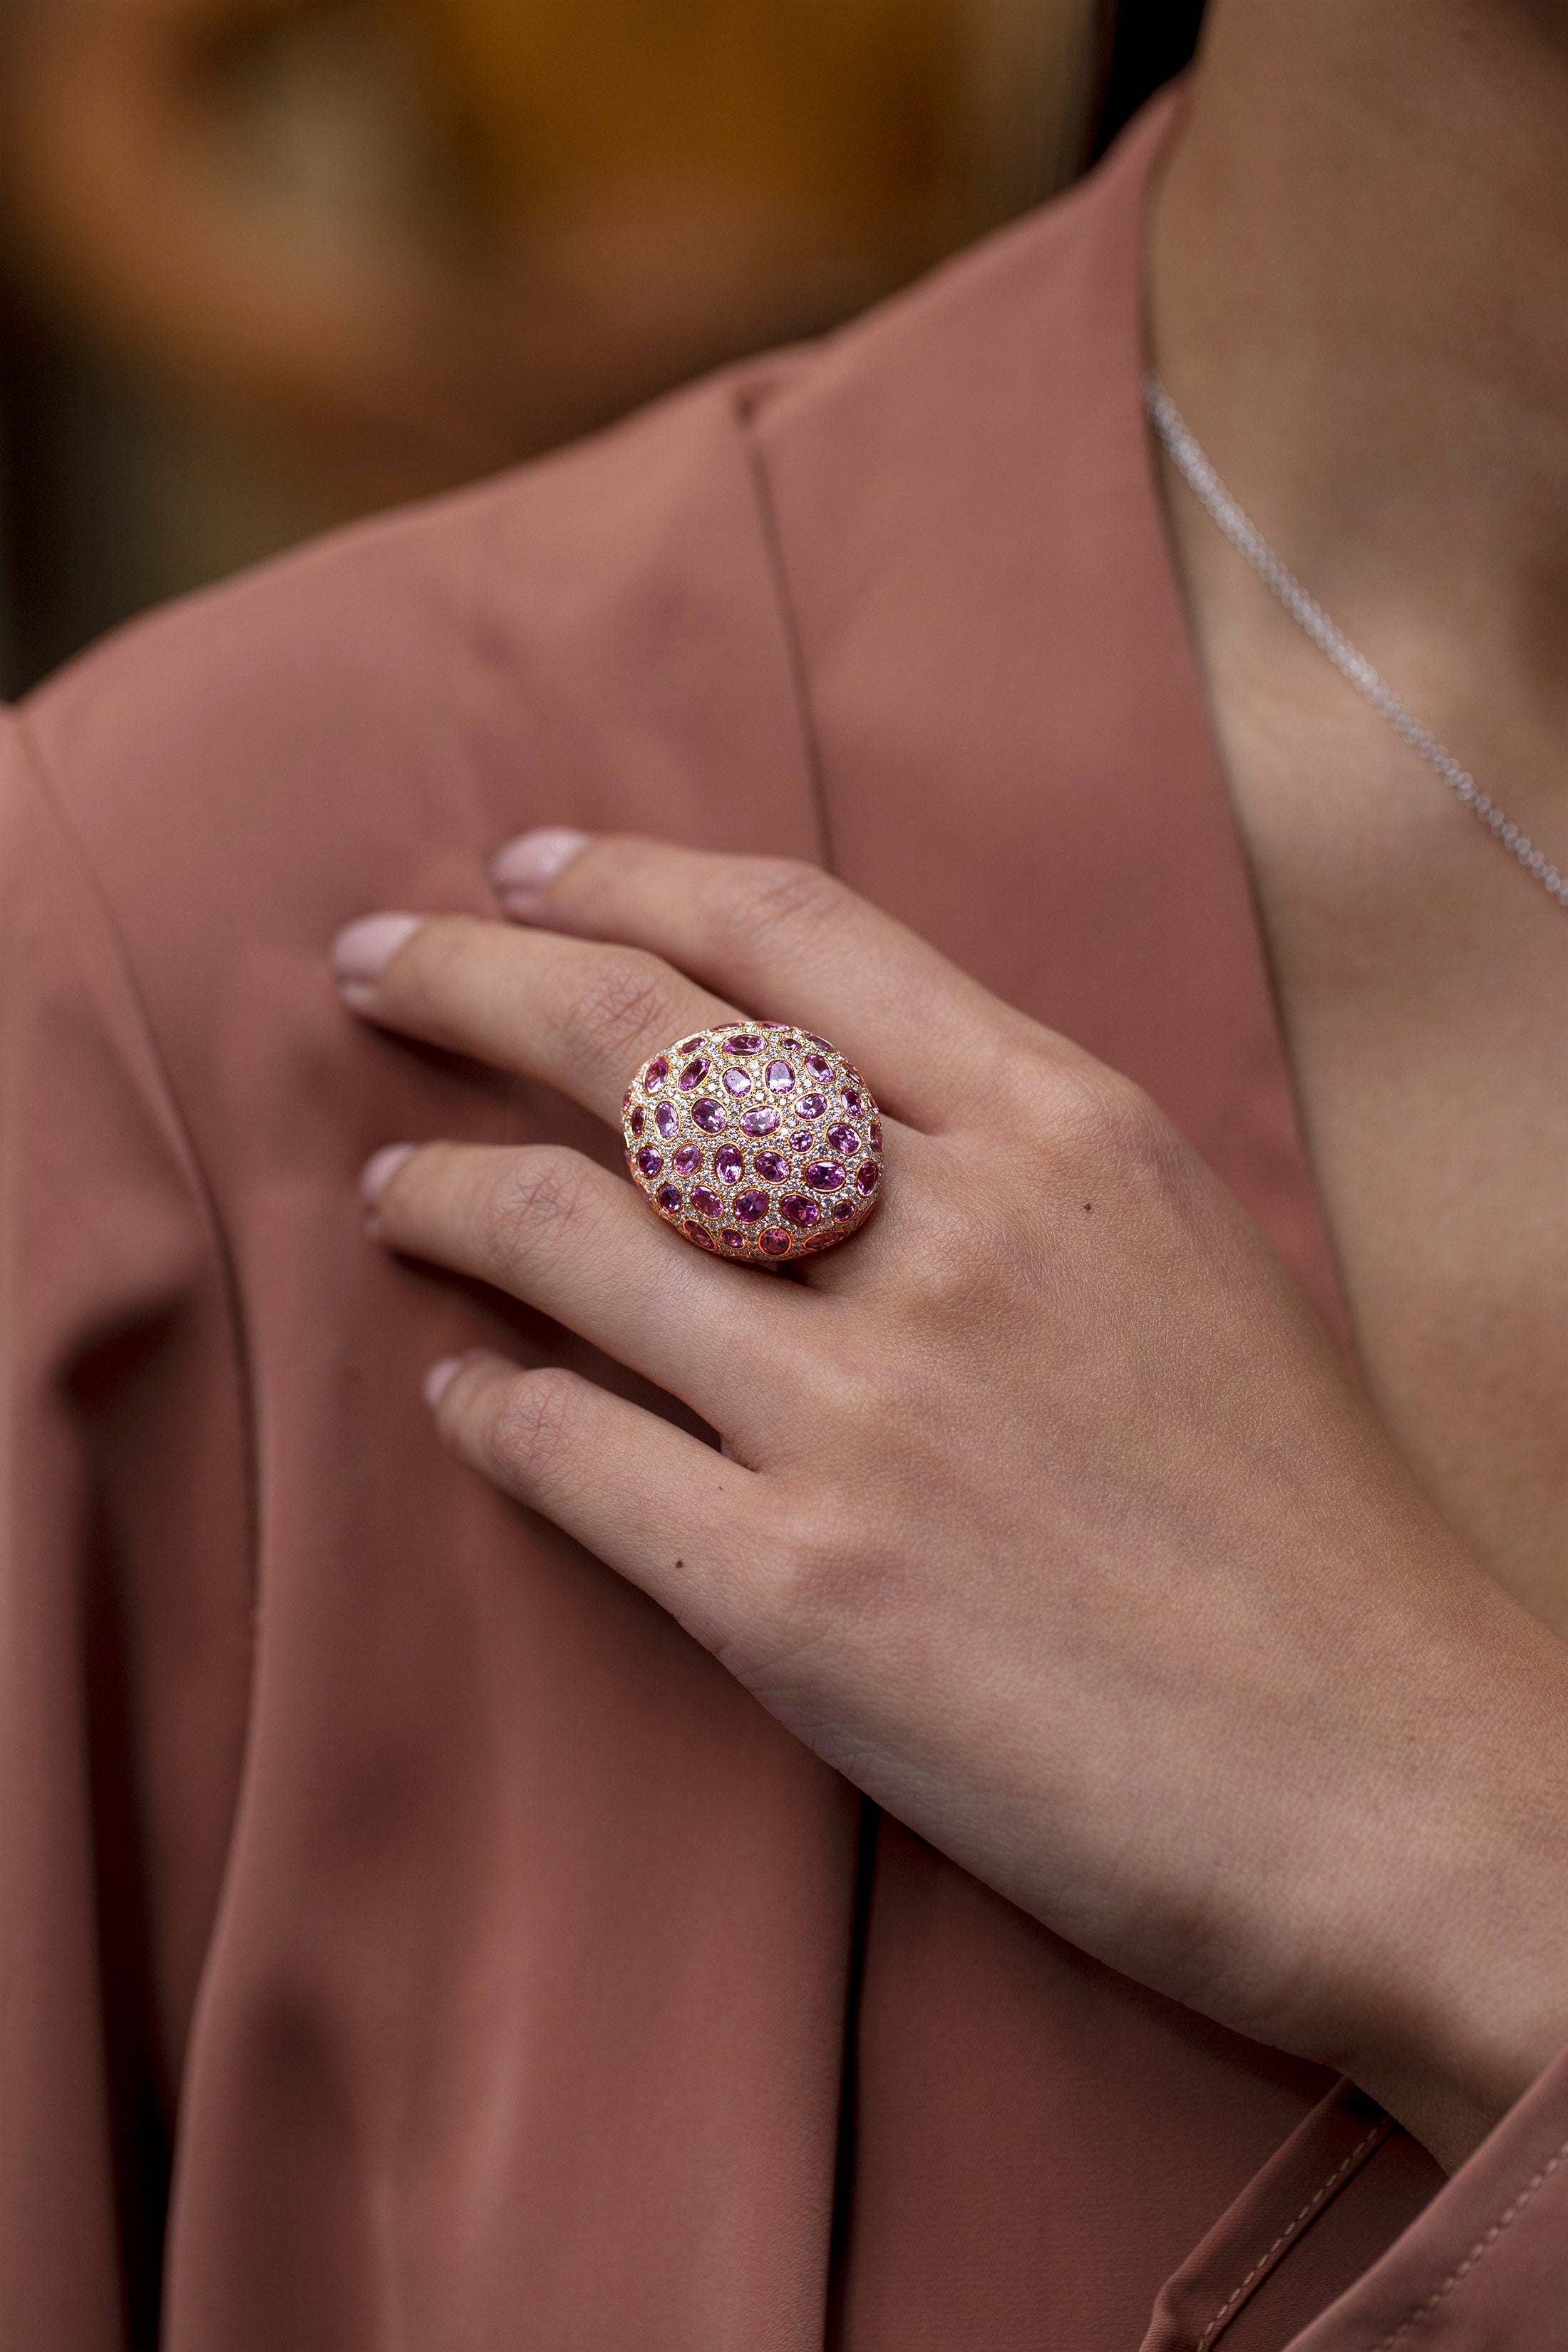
(1048, 1524)
(1349, 277)
(1057, 1526)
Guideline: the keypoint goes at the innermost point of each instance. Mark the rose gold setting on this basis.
(758, 1142)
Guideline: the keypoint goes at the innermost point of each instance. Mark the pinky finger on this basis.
(645, 1497)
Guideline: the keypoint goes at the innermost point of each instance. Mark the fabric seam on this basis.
(773, 550)
(1228, 2309)
(1476, 2254)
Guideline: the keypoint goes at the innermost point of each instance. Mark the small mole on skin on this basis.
(1087, 1207)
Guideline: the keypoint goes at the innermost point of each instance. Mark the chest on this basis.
(1422, 983)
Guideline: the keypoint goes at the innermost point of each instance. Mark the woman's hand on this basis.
(1045, 1513)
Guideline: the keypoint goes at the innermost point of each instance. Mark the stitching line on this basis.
(1483, 2246)
(1308, 2210)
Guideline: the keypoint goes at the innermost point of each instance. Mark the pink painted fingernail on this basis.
(440, 1379)
(381, 1168)
(362, 950)
(524, 869)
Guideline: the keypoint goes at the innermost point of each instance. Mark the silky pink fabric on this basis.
(390, 1899)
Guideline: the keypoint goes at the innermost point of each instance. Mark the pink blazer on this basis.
(407, 1937)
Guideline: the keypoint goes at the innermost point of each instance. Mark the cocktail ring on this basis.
(760, 1142)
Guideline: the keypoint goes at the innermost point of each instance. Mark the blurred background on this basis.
(266, 264)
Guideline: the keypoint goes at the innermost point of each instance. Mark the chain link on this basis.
(1248, 540)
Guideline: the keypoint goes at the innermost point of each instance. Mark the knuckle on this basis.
(536, 1191)
(782, 894)
(1088, 1107)
(530, 1433)
(613, 1006)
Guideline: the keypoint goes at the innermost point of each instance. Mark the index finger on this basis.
(788, 941)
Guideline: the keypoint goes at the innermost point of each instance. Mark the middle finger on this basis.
(582, 1016)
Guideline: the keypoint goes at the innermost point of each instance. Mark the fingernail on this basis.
(380, 1169)
(362, 950)
(523, 868)
(440, 1379)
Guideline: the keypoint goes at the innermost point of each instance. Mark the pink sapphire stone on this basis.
(695, 1234)
(781, 1077)
(843, 1139)
(851, 1099)
(706, 1203)
(690, 1045)
(638, 1120)
(761, 1121)
(738, 1082)
(771, 1166)
(799, 1210)
(824, 1176)
(694, 1073)
(667, 1119)
(801, 1139)
(710, 1116)
(817, 1065)
(732, 1238)
(656, 1073)
(649, 1162)
(743, 1045)
(842, 1209)
(728, 1165)
(688, 1159)
(751, 1205)
(813, 1106)
(866, 1176)
(668, 1197)
(876, 1131)
(773, 1240)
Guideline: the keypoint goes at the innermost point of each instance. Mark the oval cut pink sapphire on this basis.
(843, 1139)
(667, 1119)
(761, 1121)
(842, 1209)
(728, 1165)
(626, 1100)
(813, 1106)
(638, 1120)
(690, 1045)
(773, 1240)
(824, 1176)
(688, 1159)
(649, 1162)
(710, 1116)
(751, 1205)
(875, 1133)
(851, 1099)
(801, 1139)
(668, 1197)
(866, 1176)
(732, 1238)
(695, 1234)
(781, 1077)
(817, 1066)
(706, 1203)
(693, 1073)
(799, 1209)
(743, 1045)
(656, 1073)
(771, 1166)
(738, 1082)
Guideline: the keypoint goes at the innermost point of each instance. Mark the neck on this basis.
(1356, 266)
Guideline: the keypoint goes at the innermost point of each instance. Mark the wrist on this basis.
(1472, 2003)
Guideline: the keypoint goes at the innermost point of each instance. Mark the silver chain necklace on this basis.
(1245, 536)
